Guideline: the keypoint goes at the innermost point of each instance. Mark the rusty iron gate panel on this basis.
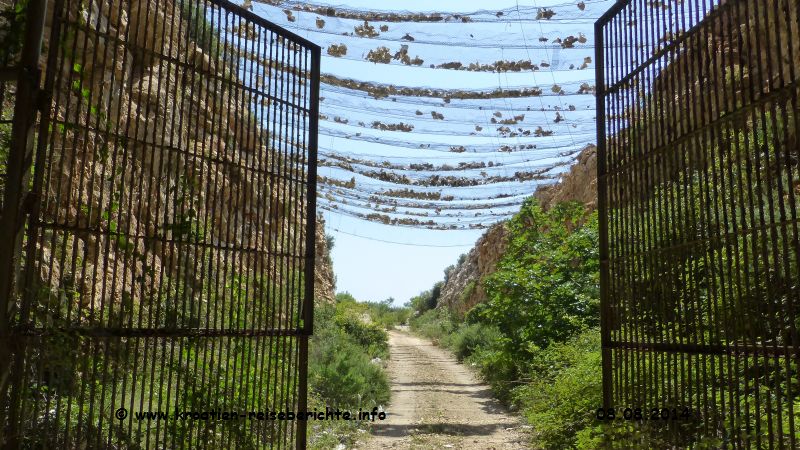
(158, 163)
(698, 125)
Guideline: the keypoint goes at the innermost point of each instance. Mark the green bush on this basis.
(354, 319)
(498, 367)
(371, 337)
(564, 392)
(565, 389)
(469, 289)
(545, 290)
(427, 300)
(469, 338)
(547, 284)
(343, 375)
(340, 369)
(387, 316)
(434, 324)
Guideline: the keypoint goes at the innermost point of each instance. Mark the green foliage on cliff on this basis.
(546, 286)
(535, 340)
(545, 290)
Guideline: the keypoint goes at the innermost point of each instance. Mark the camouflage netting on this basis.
(446, 119)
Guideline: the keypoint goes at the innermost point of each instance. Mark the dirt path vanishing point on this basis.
(438, 403)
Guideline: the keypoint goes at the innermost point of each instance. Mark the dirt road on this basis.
(438, 403)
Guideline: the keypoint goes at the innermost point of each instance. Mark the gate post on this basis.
(12, 217)
(311, 232)
(602, 205)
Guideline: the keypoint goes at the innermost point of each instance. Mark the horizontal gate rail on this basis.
(20, 332)
(699, 349)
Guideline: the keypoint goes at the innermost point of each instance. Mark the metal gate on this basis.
(158, 163)
(698, 124)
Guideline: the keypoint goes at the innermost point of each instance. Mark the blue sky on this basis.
(372, 270)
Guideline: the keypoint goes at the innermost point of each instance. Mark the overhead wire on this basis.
(411, 244)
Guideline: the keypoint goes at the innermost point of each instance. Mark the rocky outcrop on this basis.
(160, 156)
(463, 287)
(324, 279)
(579, 185)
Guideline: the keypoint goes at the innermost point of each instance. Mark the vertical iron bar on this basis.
(602, 202)
(13, 215)
(311, 226)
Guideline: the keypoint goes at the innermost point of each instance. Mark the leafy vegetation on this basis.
(434, 324)
(346, 363)
(341, 354)
(547, 285)
(12, 26)
(427, 300)
(536, 339)
(543, 300)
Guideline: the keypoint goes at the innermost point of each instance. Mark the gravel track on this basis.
(438, 403)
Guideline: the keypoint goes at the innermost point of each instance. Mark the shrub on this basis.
(565, 389)
(434, 324)
(372, 338)
(469, 289)
(354, 319)
(342, 374)
(497, 367)
(340, 367)
(469, 338)
(546, 286)
(387, 316)
(427, 300)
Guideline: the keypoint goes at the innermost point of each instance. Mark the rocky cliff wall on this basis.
(464, 288)
(578, 185)
(157, 150)
(324, 279)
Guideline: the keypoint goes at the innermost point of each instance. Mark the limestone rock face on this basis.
(324, 280)
(580, 184)
(172, 160)
(464, 288)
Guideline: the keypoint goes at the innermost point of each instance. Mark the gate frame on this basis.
(20, 203)
(602, 205)
(766, 91)
(17, 201)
